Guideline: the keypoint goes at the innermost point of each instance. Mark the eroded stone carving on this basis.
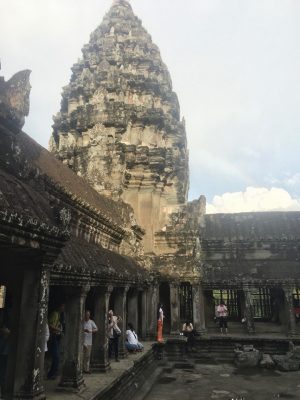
(119, 125)
(14, 98)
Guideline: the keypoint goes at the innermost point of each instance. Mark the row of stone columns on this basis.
(199, 308)
(29, 317)
(288, 304)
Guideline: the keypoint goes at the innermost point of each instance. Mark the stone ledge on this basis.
(121, 382)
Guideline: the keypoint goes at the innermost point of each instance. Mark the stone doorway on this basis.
(164, 299)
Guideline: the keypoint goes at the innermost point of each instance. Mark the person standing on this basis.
(188, 331)
(160, 323)
(56, 330)
(89, 327)
(222, 314)
(114, 332)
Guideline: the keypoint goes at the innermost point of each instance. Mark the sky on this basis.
(235, 67)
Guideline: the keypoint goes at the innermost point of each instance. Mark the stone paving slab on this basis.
(224, 382)
(96, 382)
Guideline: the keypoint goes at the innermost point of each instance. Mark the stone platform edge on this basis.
(130, 381)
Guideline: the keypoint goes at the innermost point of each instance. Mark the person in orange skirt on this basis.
(160, 323)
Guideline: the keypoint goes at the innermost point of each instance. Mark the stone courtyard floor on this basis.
(96, 382)
(223, 382)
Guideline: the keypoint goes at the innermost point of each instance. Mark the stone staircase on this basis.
(220, 349)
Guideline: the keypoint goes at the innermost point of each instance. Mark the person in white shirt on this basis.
(132, 342)
(89, 327)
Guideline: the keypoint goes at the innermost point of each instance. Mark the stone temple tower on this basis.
(119, 125)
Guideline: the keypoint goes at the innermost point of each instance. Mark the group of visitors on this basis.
(221, 315)
(55, 330)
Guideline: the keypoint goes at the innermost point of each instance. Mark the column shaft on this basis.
(120, 310)
(132, 308)
(249, 312)
(198, 309)
(289, 307)
(30, 339)
(100, 360)
(175, 311)
(72, 378)
(152, 304)
(144, 314)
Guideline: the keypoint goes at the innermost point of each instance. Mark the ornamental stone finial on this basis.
(14, 98)
(121, 1)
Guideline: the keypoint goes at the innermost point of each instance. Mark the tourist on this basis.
(56, 331)
(114, 332)
(222, 314)
(188, 331)
(4, 349)
(89, 327)
(160, 323)
(132, 343)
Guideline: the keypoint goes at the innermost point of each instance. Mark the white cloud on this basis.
(254, 199)
(293, 180)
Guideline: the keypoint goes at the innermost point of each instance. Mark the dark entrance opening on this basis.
(140, 313)
(164, 299)
(263, 304)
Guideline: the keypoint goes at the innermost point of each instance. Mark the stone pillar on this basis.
(100, 360)
(152, 304)
(26, 368)
(175, 310)
(144, 313)
(289, 310)
(72, 378)
(132, 308)
(120, 310)
(249, 312)
(198, 309)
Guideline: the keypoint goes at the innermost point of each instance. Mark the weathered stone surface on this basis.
(119, 125)
(267, 362)
(247, 356)
(286, 363)
(14, 98)
(290, 361)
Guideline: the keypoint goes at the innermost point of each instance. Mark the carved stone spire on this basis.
(119, 124)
